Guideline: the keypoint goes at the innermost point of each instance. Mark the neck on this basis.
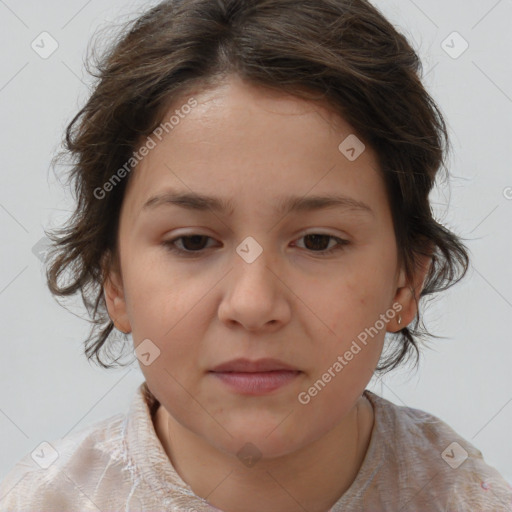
(312, 478)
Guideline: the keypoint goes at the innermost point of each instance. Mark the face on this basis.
(257, 280)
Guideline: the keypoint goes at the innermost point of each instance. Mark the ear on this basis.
(115, 300)
(407, 292)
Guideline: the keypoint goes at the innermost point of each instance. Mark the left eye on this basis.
(316, 242)
(319, 239)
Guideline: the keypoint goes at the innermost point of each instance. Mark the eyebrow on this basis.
(285, 205)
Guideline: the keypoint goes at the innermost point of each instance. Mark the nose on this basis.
(255, 295)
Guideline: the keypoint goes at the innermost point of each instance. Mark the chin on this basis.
(267, 441)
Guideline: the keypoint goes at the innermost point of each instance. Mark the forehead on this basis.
(250, 143)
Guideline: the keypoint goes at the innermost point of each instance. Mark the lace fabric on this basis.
(119, 464)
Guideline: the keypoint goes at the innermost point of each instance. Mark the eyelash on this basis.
(171, 247)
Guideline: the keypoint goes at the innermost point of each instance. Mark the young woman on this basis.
(253, 208)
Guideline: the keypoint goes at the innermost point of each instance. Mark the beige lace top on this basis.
(414, 462)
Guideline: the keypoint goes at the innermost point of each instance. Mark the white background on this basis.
(48, 389)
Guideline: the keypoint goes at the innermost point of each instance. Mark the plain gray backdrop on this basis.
(48, 389)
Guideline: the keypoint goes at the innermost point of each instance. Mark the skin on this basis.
(252, 146)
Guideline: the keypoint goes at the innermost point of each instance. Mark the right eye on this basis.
(194, 242)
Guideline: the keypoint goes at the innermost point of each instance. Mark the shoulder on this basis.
(55, 471)
(434, 464)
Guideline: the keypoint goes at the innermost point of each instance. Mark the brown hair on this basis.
(343, 52)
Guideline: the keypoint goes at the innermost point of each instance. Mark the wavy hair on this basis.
(343, 52)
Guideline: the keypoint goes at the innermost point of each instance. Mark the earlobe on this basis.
(408, 295)
(116, 303)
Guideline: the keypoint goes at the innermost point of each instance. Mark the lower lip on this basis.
(258, 382)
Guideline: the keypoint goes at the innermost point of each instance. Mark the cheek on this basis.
(171, 316)
(348, 309)
(157, 294)
(352, 301)
(350, 349)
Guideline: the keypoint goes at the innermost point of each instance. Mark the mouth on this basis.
(243, 365)
(256, 383)
(255, 377)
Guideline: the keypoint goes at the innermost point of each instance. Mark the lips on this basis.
(243, 365)
(256, 383)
